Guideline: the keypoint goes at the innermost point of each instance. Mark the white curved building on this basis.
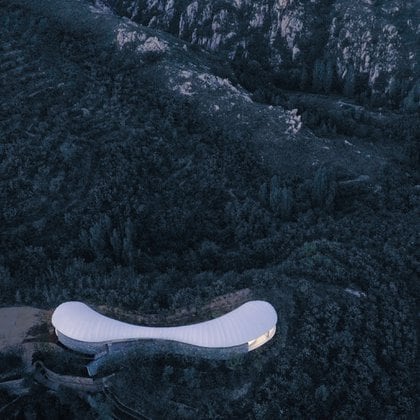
(82, 329)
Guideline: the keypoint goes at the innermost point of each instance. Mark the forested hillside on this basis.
(365, 49)
(118, 188)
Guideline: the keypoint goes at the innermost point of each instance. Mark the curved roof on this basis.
(249, 321)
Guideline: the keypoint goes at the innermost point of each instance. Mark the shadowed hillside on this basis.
(136, 172)
(364, 49)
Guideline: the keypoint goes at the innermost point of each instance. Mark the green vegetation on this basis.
(10, 361)
(114, 192)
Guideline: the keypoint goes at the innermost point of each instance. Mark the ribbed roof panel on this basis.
(248, 322)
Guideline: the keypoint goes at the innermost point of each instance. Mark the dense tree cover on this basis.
(41, 403)
(310, 46)
(10, 361)
(334, 114)
(319, 75)
(113, 191)
(334, 366)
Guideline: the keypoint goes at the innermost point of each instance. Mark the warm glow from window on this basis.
(253, 344)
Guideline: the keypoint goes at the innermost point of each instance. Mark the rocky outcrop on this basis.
(363, 48)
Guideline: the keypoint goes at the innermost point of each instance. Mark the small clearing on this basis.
(16, 323)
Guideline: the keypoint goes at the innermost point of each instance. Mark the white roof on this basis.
(248, 322)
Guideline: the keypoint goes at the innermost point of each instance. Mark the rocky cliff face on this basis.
(362, 48)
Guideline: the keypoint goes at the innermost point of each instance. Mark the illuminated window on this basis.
(253, 344)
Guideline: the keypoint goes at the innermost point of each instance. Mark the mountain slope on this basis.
(365, 48)
(134, 174)
(275, 135)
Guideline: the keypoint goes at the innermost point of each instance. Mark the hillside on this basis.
(365, 49)
(139, 173)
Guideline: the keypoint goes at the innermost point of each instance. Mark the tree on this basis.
(328, 79)
(411, 101)
(286, 203)
(275, 194)
(98, 235)
(349, 81)
(318, 75)
(324, 187)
